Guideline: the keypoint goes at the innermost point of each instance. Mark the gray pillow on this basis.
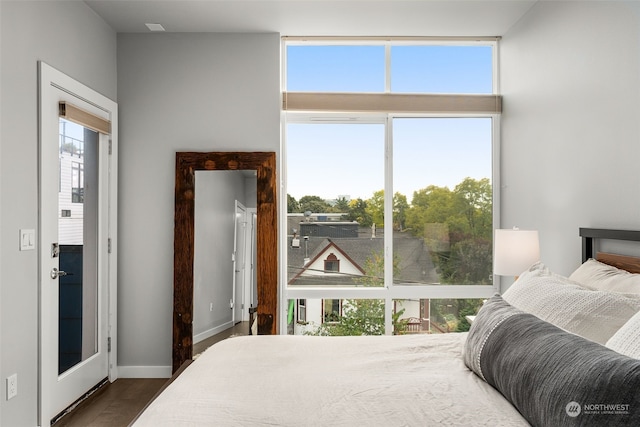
(551, 376)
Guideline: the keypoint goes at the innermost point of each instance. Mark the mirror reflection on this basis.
(224, 282)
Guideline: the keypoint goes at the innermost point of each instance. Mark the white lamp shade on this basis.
(515, 251)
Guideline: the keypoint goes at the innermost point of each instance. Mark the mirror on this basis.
(224, 284)
(187, 163)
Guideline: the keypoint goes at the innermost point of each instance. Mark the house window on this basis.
(332, 264)
(331, 310)
(77, 182)
(302, 311)
(413, 177)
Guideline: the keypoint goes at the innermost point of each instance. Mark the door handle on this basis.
(55, 273)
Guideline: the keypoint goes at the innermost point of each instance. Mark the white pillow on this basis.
(627, 340)
(594, 315)
(594, 274)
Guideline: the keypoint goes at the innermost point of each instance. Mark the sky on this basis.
(334, 160)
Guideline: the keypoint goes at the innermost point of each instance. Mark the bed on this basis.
(550, 351)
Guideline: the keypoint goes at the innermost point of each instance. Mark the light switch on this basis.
(27, 239)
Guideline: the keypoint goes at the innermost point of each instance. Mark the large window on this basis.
(389, 149)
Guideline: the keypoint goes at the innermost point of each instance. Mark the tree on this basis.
(474, 200)
(292, 204)
(451, 314)
(375, 208)
(313, 204)
(430, 205)
(400, 208)
(342, 205)
(358, 212)
(467, 214)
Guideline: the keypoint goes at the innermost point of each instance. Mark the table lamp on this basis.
(515, 251)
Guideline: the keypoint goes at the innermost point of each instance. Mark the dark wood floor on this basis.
(117, 404)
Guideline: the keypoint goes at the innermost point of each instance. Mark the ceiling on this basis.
(317, 17)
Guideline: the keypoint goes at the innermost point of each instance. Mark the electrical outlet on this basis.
(210, 306)
(12, 386)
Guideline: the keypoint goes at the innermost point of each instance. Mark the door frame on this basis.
(51, 81)
(238, 300)
(250, 261)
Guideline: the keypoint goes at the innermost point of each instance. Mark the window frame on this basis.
(329, 261)
(389, 292)
(324, 313)
(77, 171)
(302, 311)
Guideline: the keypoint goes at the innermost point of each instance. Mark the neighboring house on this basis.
(71, 196)
(343, 260)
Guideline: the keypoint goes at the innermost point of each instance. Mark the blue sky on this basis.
(71, 129)
(331, 160)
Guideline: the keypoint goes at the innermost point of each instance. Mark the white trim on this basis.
(211, 332)
(388, 40)
(497, 185)
(52, 83)
(388, 224)
(394, 292)
(144, 371)
(250, 260)
(113, 255)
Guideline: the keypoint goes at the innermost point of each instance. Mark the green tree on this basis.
(474, 201)
(430, 205)
(451, 314)
(292, 204)
(358, 212)
(469, 263)
(400, 208)
(314, 204)
(375, 208)
(466, 214)
(342, 205)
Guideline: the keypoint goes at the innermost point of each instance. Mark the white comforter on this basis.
(409, 380)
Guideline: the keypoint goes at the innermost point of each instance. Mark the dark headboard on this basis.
(589, 235)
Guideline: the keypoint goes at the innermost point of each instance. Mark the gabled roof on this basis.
(415, 263)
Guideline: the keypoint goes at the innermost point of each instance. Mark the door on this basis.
(77, 221)
(239, 244)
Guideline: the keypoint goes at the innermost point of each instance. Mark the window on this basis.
(332, 264)
(77, 182)
(331, 310)
(390, 147)
(302, 311)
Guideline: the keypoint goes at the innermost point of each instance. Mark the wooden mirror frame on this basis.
(187, 163)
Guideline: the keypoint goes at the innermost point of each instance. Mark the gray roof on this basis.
(415, 263)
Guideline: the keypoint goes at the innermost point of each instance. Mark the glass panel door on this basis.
(77, 240)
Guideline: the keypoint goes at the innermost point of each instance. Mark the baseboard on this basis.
(211, 332)
(144, 371)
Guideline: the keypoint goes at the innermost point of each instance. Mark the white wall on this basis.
(178, 92)
(570, 76)
(70, 37)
